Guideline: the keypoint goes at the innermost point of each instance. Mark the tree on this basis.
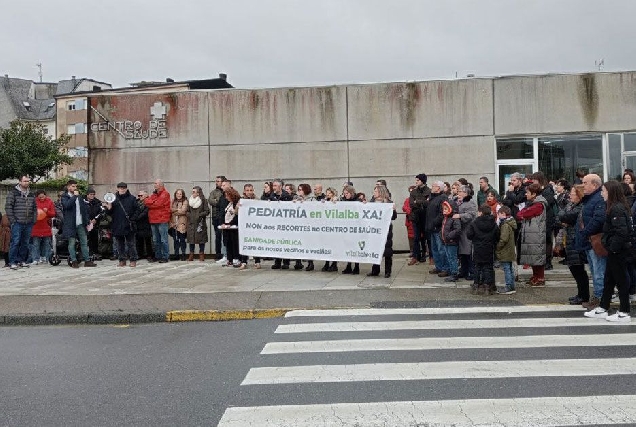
(26, 150)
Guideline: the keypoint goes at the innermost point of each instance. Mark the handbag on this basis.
(597, 245)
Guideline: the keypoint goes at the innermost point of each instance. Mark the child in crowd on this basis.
(450, 233)
(484, 233)
(506, 248)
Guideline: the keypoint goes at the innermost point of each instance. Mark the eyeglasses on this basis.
(140, 195)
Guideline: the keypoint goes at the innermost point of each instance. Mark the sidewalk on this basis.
(180, 291)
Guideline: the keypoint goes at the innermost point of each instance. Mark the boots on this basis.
(310, 266)
(356, 269)
(334, 266)
(298, 265)
(375, 270)
(388, 265)
(326, 266)
(201, 256)
(347, 270)
(191, 257)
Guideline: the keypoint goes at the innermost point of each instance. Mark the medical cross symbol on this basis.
(158, 111)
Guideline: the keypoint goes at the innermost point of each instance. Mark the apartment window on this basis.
(76, 128)
(70, 129)
(70, 105)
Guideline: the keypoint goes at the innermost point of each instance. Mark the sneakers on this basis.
(14, 266)
(257, 265)
(576, 300)
(619, 316)
(222, 261)
(451, 278)
(597, 313)
(506, 290)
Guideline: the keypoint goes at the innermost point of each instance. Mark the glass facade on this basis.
(561, 156)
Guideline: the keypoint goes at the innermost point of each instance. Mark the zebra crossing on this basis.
(471, 366)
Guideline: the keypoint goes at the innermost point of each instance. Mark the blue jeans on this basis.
(597, 268)
(160, 240)
(40, 248)
(451, 259)
(81, 235)
(509, 273)
(20, 238)
(439, 255)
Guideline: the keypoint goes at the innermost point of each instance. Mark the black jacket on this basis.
(418, 200)
(283, 197)
(484, 233)
(21, 208)
(434, 215)
(617, 230)
(514, 198)
(569, 216)
(548, 195)
(143, 226)
(124, 211)
(94, 209)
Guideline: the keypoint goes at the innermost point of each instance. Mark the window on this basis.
(80, 128)
(70, 130)
(561, 156)
(514, 148)
(26, 105)
(70, 105)
(79, 104)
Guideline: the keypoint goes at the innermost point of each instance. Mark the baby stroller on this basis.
(59, 249)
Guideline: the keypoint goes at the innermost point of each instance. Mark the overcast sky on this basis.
(273, 43)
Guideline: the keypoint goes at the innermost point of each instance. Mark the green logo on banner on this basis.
(361, 244)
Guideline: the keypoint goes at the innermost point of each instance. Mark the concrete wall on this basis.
(360, 132)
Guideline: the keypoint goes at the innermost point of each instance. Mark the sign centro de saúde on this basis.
(129, 129)
(341, 231)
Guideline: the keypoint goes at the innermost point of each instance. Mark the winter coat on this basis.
(568, 217)
(143, 226)
(551, 208)
(388, 246)
(124, 211)
(434, 215)
(617, 231)
(451, 230)
(481, 195)
(42, 227)
(418, 200)
(20, 207)
(506, 248)
(179, 220)
(69, 226)
(484, 233)
(197, 227)
(284, 196)
(5, 234)
(94, 209)
(215, 197)
(158, 204)
(533, 232)
(514, 198)
(406, 208)
(467, 213)
(590, 220)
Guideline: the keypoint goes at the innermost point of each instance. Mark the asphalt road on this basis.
(385, 367)
(141, 375)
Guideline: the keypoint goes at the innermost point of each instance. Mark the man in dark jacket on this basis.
(484, 189)
(434, 218)
(215, 200)
(278, 194)
(591, 221)
(515, 196)
(75, 222)
(418, 201)
(144, 232)
(22, 212)
(484, 233)
(124, 211)
(95, 212)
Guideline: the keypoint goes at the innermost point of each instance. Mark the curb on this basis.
(217, 315)
(78, 319)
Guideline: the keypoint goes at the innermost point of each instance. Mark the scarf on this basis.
(195, 202)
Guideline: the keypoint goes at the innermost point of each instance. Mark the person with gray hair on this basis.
(467, 212)
(434, 219)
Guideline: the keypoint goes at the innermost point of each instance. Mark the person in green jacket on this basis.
(484, 188)
(505, 250)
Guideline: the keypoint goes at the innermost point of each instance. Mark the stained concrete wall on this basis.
(594, 102)
(359, 132)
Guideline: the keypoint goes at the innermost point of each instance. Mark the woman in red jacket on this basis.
(41, 232)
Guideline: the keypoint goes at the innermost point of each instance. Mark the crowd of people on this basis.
(465, 232)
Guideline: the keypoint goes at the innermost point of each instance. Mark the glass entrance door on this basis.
(504, 171)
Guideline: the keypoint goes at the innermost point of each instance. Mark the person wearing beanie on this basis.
(418, 203)
(451, 232)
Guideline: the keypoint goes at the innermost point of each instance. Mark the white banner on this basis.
(341, 231)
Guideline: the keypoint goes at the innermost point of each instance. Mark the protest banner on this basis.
(340, 231)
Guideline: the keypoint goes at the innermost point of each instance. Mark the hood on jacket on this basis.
(449, 206)
(485, 223)
(511, 221)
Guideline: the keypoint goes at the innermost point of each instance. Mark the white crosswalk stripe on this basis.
(351, 360)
